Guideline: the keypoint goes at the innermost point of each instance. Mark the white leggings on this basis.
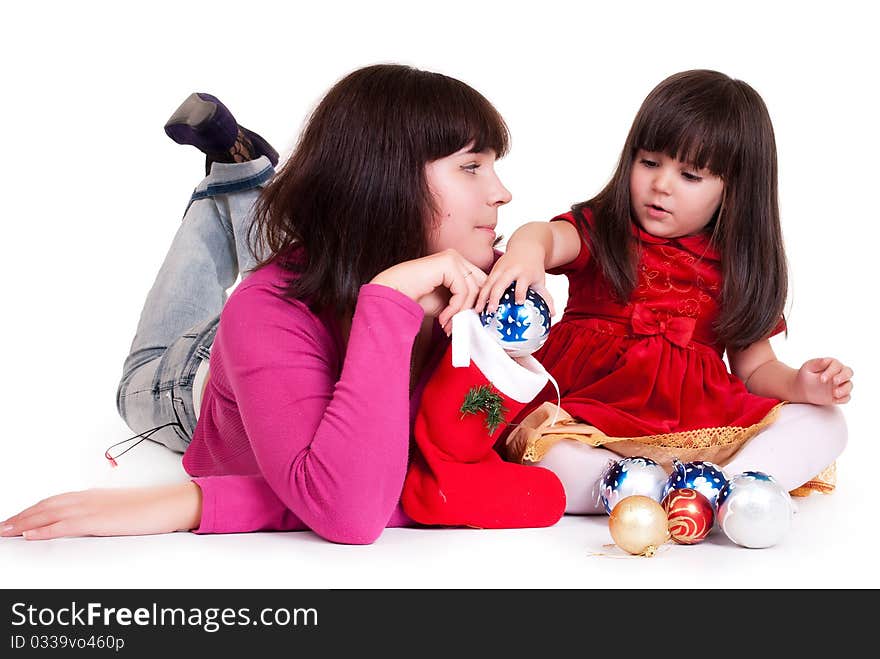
(802, 441)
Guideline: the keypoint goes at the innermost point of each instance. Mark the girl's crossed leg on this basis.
(802, 441)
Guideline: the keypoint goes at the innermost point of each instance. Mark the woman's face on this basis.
(467, 193)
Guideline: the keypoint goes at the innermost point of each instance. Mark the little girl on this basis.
(677, 261)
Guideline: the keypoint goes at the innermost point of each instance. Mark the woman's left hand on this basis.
(103, 512)
(825, 381)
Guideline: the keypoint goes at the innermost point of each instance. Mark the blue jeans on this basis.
(182, 309)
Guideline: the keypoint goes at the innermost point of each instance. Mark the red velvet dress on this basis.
(651, 369)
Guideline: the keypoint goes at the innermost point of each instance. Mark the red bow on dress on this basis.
(675, 329)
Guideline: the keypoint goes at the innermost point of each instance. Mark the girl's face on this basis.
(671, 199)
(467, 193)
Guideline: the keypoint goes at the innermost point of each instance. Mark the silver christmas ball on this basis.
(519, 328)
(631, 476)
(754, 510)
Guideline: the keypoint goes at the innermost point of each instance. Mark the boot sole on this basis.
(193, 112)
(184, 124)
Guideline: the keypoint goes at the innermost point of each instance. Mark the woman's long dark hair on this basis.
(353, 194)
(709, 120)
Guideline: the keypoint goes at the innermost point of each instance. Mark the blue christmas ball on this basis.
(629, 477)
(704, 477)
(519, 328)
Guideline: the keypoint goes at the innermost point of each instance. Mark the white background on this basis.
(93, 192)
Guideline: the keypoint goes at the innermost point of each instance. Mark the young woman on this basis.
(379, 225)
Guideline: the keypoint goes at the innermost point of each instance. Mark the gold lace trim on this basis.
(531, 440)
(823, 483)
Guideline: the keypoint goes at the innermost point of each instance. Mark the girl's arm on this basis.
(559, 241)
(822, 381)
(532, 250)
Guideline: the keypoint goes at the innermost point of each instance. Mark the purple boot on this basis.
(205, 123)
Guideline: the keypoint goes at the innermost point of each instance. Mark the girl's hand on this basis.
(524, 264)
(103, 512)
(443, 283)
(824, 381)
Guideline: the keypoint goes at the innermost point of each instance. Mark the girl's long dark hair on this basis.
(353, 194)
(709, 120)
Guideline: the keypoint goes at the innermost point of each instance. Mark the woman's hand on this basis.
(523, 263)
(103, 512)
(824, 381)
(443, 283)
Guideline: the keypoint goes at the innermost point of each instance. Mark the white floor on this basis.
(84, 241)
(833, 543)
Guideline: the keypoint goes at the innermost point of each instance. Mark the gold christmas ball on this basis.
(638, 525)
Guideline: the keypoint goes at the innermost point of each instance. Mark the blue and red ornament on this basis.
(520, 328)
(628, 477)
(704, 477)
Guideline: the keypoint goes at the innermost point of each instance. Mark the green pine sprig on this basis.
(482, 399)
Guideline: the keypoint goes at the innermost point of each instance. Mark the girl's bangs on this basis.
(704, 142)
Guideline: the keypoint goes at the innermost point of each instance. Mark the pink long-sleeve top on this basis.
(297, 432)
